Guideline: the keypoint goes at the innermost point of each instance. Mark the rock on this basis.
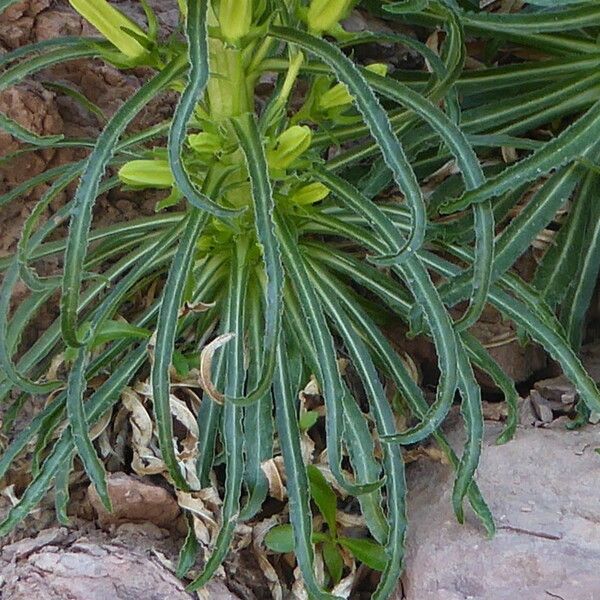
(134, 500)
(17, 22)
(90, 571)
(542, 490)
(541, 407)
(87, 564)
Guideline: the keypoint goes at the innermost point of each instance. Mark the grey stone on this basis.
(542, 488)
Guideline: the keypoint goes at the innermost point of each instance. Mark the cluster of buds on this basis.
(309, 194)
(288, 147)
(205, 144)
(118, 29)
(235, 19)
(338, 96)
(325, 15)
(146, 174)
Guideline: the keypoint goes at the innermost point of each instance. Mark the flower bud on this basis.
(112, 24)
(204, 143)
(146, 174)
(289, 146)
(310, 193)
(324, 14)
(338, 95)
(235, 18)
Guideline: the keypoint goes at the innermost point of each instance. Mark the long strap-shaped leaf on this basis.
(565, 147)
(566, 19)
(34, 181)
(473, 176)
(419, 283)
(516, 238)
(357, 434)
(472, 413)
(231, 426)
(28, 274)
(541, 327)
(384, 418)
(328, 373)
(17, 73)
(24, 135)
(197, 53)
(580, 296)
(258, 418)
(86, 195)
(378, 123)
(481, 358)
(250, 142)
(166, 330)
(398, 301)
(77, 377)
(471, 409)
(554, 275)
(394, 365)
(34, 48)
(539, 323)
(39, 350)
(79, 427)
(208, 282)
(8, 282)
(288, 430)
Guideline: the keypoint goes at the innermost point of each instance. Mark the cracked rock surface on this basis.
(542, 489)
(63, 565)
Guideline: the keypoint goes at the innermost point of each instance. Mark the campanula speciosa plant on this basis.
(297, 222)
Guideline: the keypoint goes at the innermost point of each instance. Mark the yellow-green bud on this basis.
(338, 95)
(112, 24)
(289, 146)
(235, 18)
(324, 14)
(146, 173)
(310, 193)
(204, 143)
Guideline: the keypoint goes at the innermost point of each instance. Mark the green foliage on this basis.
(273, 256)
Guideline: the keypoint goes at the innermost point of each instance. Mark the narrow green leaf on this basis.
(357, 435)
(565, 147)
(189, 550)
(472, 413)
(258, 418)
(99, 403)
(581, 294)
(333, 560)
(166, 330)
(393, 462)
(61, 491)
(322, 342)
(231, 426)
(197, 56)
(393, 297)
(297, 481)
(249, 138)
(9, 370)
(78, 425)
(85, 196)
